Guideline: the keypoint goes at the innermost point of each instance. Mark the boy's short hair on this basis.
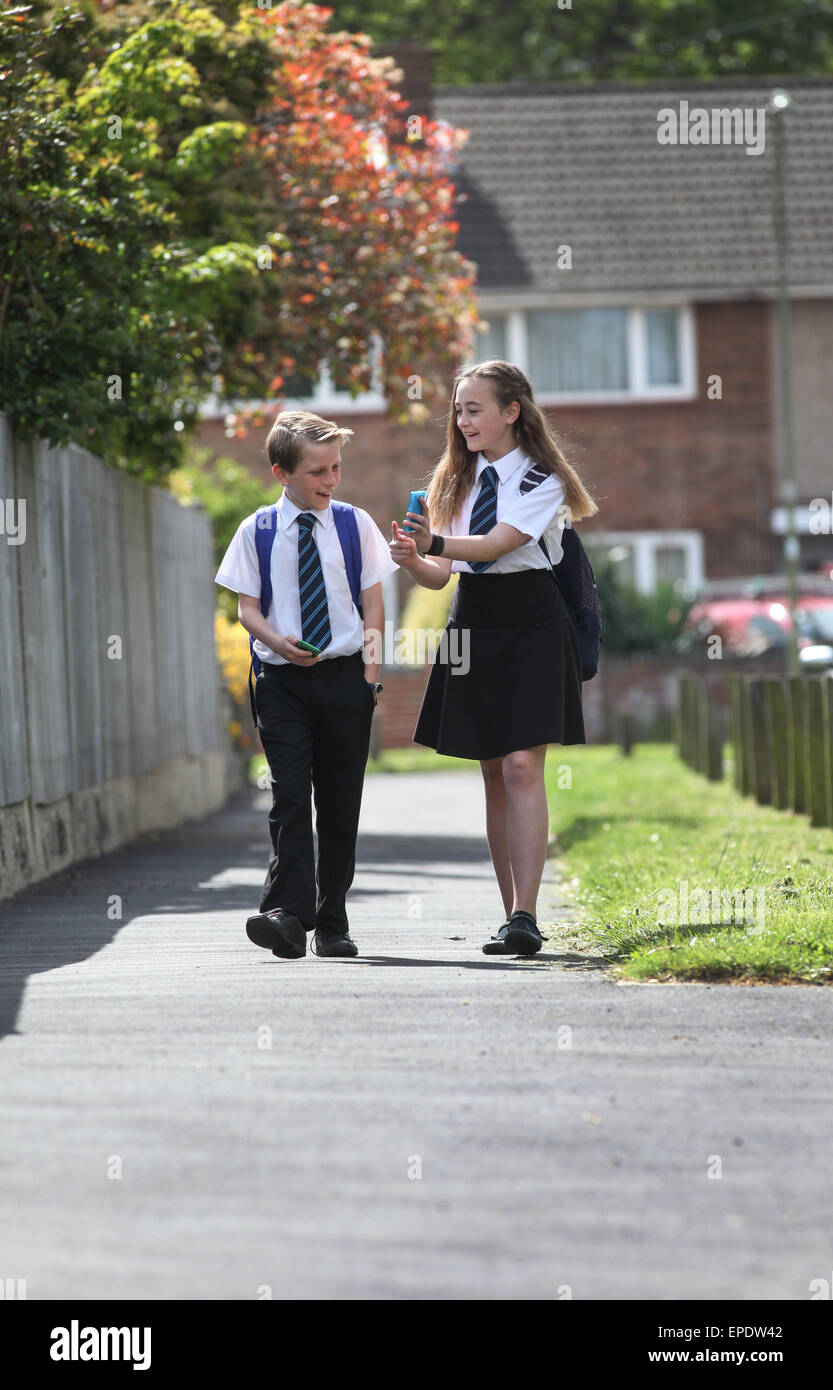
(292, 429)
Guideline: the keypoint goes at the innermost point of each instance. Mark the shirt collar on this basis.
(504, 467)
(287, 512)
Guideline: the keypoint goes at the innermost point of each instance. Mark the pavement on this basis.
(184, 1116)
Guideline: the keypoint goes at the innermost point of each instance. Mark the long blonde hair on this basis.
(454, 474)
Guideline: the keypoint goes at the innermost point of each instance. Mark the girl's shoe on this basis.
(517, 937)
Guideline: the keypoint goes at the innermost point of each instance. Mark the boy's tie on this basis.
(484, 513)
(315, 615)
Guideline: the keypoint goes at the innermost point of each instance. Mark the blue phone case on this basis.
(413, 506)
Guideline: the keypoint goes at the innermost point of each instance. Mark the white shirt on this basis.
(239, 571)
(534, 513)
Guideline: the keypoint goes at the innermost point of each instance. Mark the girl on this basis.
(501, 484)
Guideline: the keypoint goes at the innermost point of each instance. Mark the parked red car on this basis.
(752, 626)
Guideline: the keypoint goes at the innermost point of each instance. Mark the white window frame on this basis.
(639, 388)
(326, 399)
(645, 545)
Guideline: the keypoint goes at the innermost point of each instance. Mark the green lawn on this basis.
(656, 857)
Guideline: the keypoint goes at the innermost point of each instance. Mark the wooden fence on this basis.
(107, 664)
(781, 734)
(699, 728)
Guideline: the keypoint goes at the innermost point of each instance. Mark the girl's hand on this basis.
(420, 531)
(403, 547)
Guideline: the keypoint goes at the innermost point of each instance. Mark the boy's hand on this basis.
(289, 649)
(403, 547)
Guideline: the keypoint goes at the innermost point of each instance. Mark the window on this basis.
(491, 343)
(301, 392)
(644, 559)
(604, 353)
(573, 350)
(663, 350)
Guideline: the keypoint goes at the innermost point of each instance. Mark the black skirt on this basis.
(523, 683)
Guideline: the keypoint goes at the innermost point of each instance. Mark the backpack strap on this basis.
(348, 534)
(266, 527)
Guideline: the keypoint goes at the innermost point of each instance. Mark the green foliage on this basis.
(427, 609)
(109, 319)
(548, 40)
(158, 159)
(228, 493)
(634, 622)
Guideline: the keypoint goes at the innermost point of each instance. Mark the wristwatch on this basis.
(375, 686)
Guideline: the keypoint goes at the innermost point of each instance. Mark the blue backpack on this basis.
(575, 578)
(266, 527)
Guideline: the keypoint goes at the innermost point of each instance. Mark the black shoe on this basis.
(517, 937)
(332, 944)
(278, 932)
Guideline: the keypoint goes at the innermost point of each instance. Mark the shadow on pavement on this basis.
(64, 919)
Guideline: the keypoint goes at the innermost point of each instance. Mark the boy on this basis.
(314, 712)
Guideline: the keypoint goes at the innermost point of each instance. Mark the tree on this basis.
(548, 40)
(204, 199)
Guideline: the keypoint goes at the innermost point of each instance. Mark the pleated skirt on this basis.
(507, 674)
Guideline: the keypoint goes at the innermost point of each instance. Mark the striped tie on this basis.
(484, 513)
(315, 616)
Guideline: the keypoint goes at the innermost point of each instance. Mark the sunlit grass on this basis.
(647, 844)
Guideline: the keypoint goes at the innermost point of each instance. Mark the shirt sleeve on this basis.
(534, 511)
(376, 557)
(239, 569)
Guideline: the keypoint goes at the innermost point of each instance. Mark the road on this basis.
(185, 1116)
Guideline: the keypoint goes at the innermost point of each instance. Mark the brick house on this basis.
(635, 282)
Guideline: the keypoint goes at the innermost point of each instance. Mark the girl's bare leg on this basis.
(496, 834)
(526, 824)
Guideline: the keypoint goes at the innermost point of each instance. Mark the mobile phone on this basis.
(308, 647)
(414, 506)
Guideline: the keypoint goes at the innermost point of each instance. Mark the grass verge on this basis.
(678, 878)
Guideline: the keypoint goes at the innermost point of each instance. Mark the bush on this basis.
(634, 622)
(427, 609)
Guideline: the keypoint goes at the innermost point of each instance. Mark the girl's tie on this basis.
(484, 513)
(315, 615)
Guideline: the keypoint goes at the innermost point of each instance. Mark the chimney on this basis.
(416, 61)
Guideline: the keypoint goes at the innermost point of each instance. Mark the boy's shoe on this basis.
(279, 932)
(517, 937)
(332, 944)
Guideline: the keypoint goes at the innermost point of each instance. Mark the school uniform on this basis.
(314, 721)
(523, 684)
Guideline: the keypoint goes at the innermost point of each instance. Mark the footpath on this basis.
(184, 1116)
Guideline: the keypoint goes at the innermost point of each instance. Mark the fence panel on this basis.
(14, 769)
(775, 714)
(796, 701)
(111, 651)
(44, 635)
(139, 625)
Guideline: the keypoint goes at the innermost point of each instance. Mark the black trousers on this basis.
(314, 724)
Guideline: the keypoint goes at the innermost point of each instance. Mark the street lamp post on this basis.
(777, 107)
